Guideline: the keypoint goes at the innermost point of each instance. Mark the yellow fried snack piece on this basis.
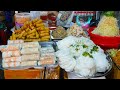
(32, 31)
(44, 34)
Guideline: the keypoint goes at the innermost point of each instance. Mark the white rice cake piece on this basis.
(30, 45)
(31, 57)
(29, 63)
(30, 51)
(10, 64)
(13, 47)
(15, 42)
(7, 54)
(12, 59)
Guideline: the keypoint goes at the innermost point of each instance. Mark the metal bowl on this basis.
(99, 74)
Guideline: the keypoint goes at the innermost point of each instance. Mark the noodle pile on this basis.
(107, 26)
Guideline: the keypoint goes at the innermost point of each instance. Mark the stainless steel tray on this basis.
(47, 44)
(43, 44)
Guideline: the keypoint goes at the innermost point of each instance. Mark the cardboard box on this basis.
(24, 74)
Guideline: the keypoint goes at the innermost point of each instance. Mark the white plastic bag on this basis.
(35, 14)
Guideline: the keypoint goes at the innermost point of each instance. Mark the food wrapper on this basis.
(13, 47)
(30, 45)
(12, 59)
(15, 42)
(7, 54)
(10, 64)
(30, 51)
(52, 72)
(31, 57)
(46, 60)
(47, 54)
(29, 63)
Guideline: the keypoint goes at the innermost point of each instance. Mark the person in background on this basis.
(9, 22)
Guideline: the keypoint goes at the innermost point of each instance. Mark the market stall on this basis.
(39, 49)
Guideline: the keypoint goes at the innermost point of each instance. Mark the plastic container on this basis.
(21, 18)
(52, 72)
(104, 41)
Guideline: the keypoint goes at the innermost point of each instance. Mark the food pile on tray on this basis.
(115, 54)
(82, 57)
(106, 34)
(31, 46)
(30, 54)
(34, 30)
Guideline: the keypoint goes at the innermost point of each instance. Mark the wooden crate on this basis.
(65, 75)
(24, 74)
(116, 73)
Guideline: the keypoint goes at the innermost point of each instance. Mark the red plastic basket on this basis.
(104, 41)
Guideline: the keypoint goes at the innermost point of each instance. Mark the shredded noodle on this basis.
(107, 26)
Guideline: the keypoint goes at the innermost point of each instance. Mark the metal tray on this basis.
(48, 44)
(52, 38)
(43, 44)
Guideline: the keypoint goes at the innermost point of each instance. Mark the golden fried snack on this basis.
(25, 34)
(37, 35)
(45, 37)
(28, 40)
(40, 25)
(13, 36)
(38, 22)
(40, 28)
(34, 40)
(31, 35)
(44, 34)
(23, 38)
(20, 36)
(32, 31)
(35, 20)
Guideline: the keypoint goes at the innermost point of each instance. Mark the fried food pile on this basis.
(34, 30)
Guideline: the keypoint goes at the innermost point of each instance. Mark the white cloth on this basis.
(35, 14)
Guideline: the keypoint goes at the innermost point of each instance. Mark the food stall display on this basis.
(22, 56)
(58, 33)
(32, 52)
(107, 26)
(106, 34)
(81, 56)
(26, 54)
(115, 55)
(21, 18)
(34, 30)
(76, 30)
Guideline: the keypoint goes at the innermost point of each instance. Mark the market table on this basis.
(34, 74)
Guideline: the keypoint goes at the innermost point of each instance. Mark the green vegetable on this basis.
(112, 52)
(87, 54)
(94, 49)
(109, 13)
(85, 46)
